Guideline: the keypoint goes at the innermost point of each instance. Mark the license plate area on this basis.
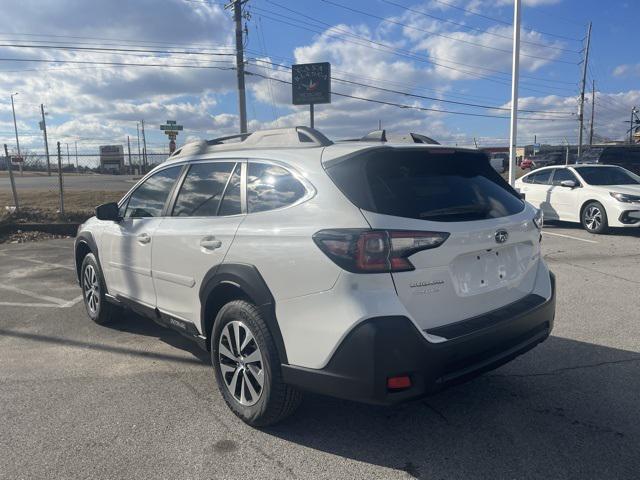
(490, 269)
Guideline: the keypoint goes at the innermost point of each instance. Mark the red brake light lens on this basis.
(375, 251)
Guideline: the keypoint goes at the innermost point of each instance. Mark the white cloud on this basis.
(627, 70)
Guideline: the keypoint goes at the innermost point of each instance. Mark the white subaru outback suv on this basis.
(363, 270)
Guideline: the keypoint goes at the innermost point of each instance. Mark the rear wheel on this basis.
(93, 291)
(247, 366)
(594, 218)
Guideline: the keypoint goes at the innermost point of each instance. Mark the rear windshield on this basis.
(443, 186)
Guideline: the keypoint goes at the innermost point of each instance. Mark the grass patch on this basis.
(43, 205)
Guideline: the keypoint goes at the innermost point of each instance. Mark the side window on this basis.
(231, 201)
(270, 187)
(563, 174)
(543, 177)
(202, 189)
(149, 198)
(528, 178)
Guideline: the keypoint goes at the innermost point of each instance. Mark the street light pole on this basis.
(15, 126)
(513, 136)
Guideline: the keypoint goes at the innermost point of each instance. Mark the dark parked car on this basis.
(626, 156)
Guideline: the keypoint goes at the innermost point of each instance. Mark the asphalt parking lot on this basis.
(134, 400)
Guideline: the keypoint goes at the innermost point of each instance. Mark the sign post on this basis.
(171, 129)
(311, 84)
(13, 184)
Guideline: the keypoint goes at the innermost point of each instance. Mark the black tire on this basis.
(594, 218)
(93, 291)
(275, 400)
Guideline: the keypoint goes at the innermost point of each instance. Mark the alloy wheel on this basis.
(241, 363)
(593, 218)
(91, 290)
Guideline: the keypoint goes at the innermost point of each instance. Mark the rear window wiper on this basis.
(460, 210)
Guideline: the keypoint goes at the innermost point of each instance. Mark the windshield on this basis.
(590, 156)
(438, 185)
(608, 176)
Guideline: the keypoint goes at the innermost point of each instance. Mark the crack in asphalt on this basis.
(564, 369)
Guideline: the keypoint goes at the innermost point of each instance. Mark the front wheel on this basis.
(247, 366)
(594, 218)
(93, 291)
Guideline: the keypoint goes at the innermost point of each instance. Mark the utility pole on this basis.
(77, 166)
(129, 150)
(144, 147)
(242, 101)
(60, 181)
(593, 109)
(68, 159)
(139, 161)
(633, 111)
(15, 126)
(513, 136)
(46, 142)
(582, 87)
(13, 183)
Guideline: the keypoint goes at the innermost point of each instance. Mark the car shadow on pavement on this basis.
(130, 322)
(567, 409)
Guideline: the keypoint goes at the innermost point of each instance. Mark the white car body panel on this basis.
(126, 261)
(565, 204)
(317, 302)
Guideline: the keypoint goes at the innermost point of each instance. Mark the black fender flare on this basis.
(247, 278)
(86, 238)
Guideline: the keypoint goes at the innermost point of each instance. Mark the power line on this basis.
(462, 25)
(423, 97)
(411, 107)
(431, 32)
(82, 62)
(120, 40)
(411, 55)
(104, 49)
(473, 12)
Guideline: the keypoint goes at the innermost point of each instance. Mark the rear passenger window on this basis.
(270, 187)
(562, 174)
(202, 189)
(231, 201)
(542, 178)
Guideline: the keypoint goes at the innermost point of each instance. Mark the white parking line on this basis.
(66, 304)
(569, 236)
(60, 302)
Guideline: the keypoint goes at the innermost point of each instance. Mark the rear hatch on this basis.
(489, 258)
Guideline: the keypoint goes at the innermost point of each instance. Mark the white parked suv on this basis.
(363, 270)
(597, 196)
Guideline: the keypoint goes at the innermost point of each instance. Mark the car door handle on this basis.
(210, 243)
(144, 238)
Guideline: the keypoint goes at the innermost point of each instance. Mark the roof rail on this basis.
(289, 137)
(381, 136)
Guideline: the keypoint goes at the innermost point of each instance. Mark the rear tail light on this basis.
(375, 251)
(398, 383)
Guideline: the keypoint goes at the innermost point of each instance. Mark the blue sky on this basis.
(439, 52)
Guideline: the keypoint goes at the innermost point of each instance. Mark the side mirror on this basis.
(108, 211)
(568, 183)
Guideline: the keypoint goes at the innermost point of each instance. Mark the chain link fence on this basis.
(65, 187)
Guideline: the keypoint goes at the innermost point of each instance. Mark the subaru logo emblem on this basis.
(501, 236)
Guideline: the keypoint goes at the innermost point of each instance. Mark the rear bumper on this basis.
(385, 347)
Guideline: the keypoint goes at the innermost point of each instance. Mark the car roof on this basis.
(291, 144)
